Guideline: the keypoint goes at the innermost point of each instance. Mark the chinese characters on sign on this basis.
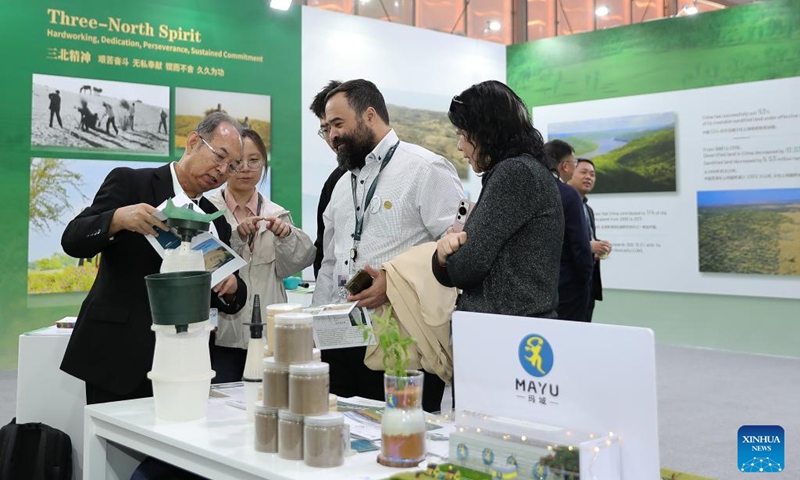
(80, 56)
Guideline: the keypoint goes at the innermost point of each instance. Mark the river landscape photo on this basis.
(634, 153)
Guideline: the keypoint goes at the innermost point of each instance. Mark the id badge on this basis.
(213, 317)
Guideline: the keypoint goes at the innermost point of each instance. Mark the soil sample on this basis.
(294, 337)
(403, 423)
(324, 440)
(403, 436)
(266, 420)
(272, 310)
(276, 384)
(290, 435)
(309, 385)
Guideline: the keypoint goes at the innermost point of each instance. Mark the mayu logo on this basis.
(535, 355)
(761, 449)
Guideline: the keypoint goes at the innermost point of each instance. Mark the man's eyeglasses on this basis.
(234, 166)
(324, 132)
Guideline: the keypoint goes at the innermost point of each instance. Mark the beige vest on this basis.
(422, 308)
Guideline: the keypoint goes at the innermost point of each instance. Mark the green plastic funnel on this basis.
(179, 298)
(187, 221)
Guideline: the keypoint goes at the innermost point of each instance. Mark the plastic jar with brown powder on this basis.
(324, 440)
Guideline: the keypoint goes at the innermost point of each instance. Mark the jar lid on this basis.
(294, 318)
(329, 419)
(273, 366)
(264, 410)
(288, 415)
(284, 307)
(313, 368)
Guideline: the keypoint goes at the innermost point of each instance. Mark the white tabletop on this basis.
(219, 446)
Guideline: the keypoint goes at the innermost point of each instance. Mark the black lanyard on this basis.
(370, 193)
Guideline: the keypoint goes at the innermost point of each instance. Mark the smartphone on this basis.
(464, 209)
(360, 282)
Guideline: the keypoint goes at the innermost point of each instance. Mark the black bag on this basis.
(34, 451)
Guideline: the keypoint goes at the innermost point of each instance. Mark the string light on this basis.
(495, 431)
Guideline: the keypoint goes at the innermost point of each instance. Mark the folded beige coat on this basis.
(422, 308)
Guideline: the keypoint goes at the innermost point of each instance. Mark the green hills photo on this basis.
(431, 130)
(631, 154)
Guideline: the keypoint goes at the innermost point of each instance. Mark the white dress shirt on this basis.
(415, 201)
(180, 195)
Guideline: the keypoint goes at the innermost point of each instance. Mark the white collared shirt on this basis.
(178, 192)
(415, 201)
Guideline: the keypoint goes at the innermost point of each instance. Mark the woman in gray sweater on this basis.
(506, 260)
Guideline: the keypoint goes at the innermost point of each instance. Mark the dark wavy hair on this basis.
(362, 94)
(497, 122)
(318, 104)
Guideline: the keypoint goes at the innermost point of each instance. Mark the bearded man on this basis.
(395, 195)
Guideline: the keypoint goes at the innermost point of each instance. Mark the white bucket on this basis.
(182, 354)
(180, 399)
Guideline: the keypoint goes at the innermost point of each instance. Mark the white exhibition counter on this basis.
(48, 395)
(219, 446)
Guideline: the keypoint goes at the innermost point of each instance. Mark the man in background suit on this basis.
(318, 108)
(584, 180)
(112, 345)
(575, 273)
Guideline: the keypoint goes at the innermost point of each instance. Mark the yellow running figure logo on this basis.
(534, 346)
(536, 355)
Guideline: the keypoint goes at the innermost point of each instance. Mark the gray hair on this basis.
(209, 124)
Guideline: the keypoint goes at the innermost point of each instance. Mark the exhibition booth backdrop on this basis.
(716, 216)
(157, 67)
(693, 124)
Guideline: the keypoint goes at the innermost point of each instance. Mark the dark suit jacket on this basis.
(112, 345)
(324, 200)
(597, 283)
(577, 262)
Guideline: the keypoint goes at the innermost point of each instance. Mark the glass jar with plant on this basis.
(564, 462)
(403, 423)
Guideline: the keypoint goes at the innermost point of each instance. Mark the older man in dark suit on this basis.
(112, 346)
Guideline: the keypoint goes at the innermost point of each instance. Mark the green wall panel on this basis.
(743, 44)
(245, 26)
